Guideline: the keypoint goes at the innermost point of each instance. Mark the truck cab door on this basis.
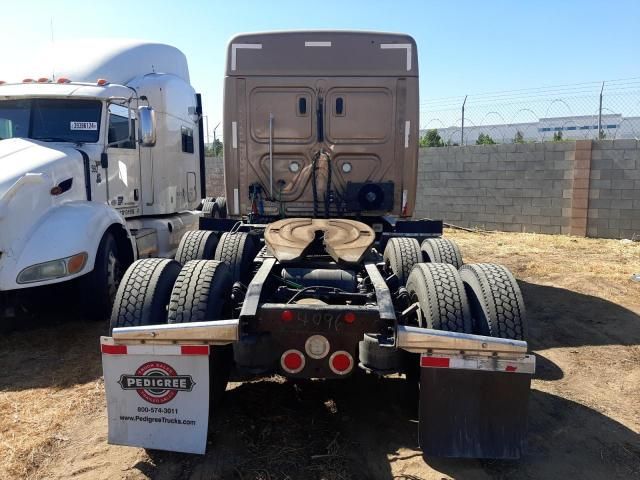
(123, 169)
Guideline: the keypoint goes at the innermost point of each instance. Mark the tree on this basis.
(519, 138)
(431, 139)
(485, 139)
(214, 149)
(557, 136)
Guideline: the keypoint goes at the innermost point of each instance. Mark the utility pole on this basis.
(462, 128)
(600, 132)
(215, 144)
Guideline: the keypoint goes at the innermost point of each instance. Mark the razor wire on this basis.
(590, 110)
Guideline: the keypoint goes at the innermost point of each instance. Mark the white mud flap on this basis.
(474, 407)
(157, 395)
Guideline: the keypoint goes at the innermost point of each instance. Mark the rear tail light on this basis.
(341, 362)
(286, 315)
(292, 361)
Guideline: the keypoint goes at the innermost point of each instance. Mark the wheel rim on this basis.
(114, 275)
(417, 318)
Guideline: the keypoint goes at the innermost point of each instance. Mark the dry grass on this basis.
(44, 387)
(586, 421)
(586, 265)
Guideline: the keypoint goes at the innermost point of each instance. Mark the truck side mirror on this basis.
(147, 126)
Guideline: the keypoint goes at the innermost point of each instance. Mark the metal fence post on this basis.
(462, 126)
(600, 132)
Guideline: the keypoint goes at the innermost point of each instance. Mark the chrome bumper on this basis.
(411, 339)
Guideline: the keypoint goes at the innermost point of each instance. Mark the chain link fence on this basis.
(592, 110)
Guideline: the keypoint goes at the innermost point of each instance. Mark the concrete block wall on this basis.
(215, 176)
(614, 189)
(513, 187)
(585, 188)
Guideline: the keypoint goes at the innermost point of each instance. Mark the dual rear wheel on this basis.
(483, 299)
(189, 289)
(402, 253)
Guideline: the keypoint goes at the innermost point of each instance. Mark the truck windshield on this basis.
(51, 119)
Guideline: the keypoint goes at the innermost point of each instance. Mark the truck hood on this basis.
(19, 156)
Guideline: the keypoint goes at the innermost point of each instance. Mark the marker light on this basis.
(27, 80)
(76, 263)
(292, 361)
(341, 362)
(63, 80)
(43, 80)
(2, 82)
(286, 315)
(102, 82)
(349, 317)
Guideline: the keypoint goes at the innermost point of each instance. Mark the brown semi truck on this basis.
(311, 268)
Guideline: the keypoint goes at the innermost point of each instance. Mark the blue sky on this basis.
(463, 46)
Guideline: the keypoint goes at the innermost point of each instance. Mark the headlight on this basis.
(53, 269)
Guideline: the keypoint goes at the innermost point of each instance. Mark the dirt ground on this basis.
(584, 413)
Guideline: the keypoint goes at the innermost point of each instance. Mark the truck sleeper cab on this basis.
(321, 124)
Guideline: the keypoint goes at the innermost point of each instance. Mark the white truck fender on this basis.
(66, 230)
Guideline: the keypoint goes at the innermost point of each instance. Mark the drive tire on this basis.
(400, 255)
(205, 200)
(238, 250)
(201, 293)
(196, 245)
(100, 286)
(221, 207)
(496, 301)
(144, 293)
(209, 208)
(438, 289)
(441, 250)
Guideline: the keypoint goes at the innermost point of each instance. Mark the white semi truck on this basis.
(101, 163)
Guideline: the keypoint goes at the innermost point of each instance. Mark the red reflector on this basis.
(286, 315)
(438, 362)
(349, 317)
(114, 349)
(510, 368)
(194, 349)
(293, 361)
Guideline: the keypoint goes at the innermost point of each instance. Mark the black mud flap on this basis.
(474, 408)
